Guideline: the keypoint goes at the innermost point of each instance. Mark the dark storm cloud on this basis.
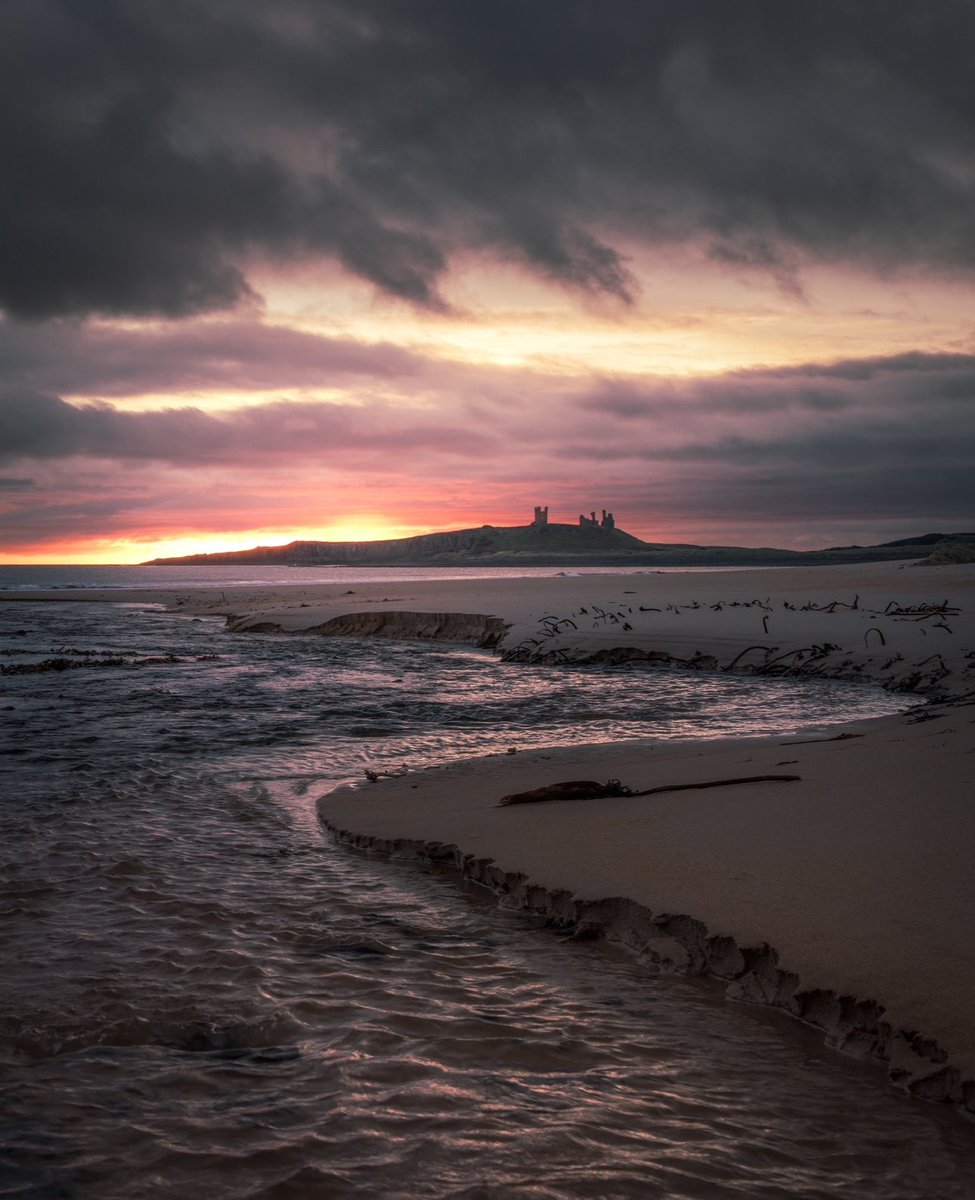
(151, 151)
(85, 360)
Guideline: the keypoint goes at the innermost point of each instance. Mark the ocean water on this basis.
(202, 995)
(81, 578)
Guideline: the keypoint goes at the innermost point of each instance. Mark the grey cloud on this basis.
(150, 150)
(869, 368)
(889, 437)
(857, 385)
(781, 505)
(34, 426)
(865, 498)
(58, 519)
(77, 359)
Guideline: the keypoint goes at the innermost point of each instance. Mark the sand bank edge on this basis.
(681, 943)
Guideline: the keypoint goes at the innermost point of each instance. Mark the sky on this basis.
(350, 269)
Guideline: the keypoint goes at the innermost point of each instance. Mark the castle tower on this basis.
(541, 517)
(607, 521)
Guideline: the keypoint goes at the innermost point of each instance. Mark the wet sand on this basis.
(846, 898)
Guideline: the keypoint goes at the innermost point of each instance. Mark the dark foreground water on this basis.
(201, 996)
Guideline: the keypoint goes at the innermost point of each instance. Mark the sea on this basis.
(203, 995)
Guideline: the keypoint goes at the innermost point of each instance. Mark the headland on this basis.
(594, 540)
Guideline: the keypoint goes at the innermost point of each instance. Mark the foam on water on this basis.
(203, 996)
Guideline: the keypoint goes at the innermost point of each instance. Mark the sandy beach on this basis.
(845, 898)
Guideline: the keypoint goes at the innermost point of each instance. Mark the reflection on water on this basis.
(202, 996)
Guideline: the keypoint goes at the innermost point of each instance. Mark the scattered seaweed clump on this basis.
(73, 660)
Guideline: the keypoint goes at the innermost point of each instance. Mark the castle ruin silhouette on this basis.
(607, 521)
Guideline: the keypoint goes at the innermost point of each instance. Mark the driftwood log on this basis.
(589, 789)
(573, 789)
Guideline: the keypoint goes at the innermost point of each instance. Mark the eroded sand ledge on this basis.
(475, 628)
(685, 944)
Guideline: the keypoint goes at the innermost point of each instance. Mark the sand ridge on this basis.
(906, 628)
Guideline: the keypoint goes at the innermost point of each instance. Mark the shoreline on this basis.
(860, 622)
(845, 898)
